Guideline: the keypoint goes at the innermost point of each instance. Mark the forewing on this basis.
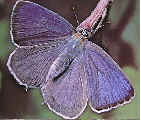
(30, 65)
(32, 24)
(67, 96)
(108, 86)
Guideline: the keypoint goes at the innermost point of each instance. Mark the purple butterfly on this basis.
(70, 70)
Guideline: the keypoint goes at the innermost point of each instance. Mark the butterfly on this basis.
(70, 70)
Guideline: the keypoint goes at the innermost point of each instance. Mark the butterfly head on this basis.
(84, 32)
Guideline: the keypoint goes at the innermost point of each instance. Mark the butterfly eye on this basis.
(80, 31)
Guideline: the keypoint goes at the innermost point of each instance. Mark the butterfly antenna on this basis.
(76, 17)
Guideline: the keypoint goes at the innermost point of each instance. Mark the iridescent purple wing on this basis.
(107, 84)
(30, 65)
(67, 96)
(32, 24)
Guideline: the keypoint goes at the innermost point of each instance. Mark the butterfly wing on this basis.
(107, 84)
(32, 24)
(30, 65)
(67, 96)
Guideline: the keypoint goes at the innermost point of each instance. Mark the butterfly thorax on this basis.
(73, 48)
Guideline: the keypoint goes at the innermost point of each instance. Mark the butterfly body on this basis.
(73, 48)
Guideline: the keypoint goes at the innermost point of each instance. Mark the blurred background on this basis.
(120, 39)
